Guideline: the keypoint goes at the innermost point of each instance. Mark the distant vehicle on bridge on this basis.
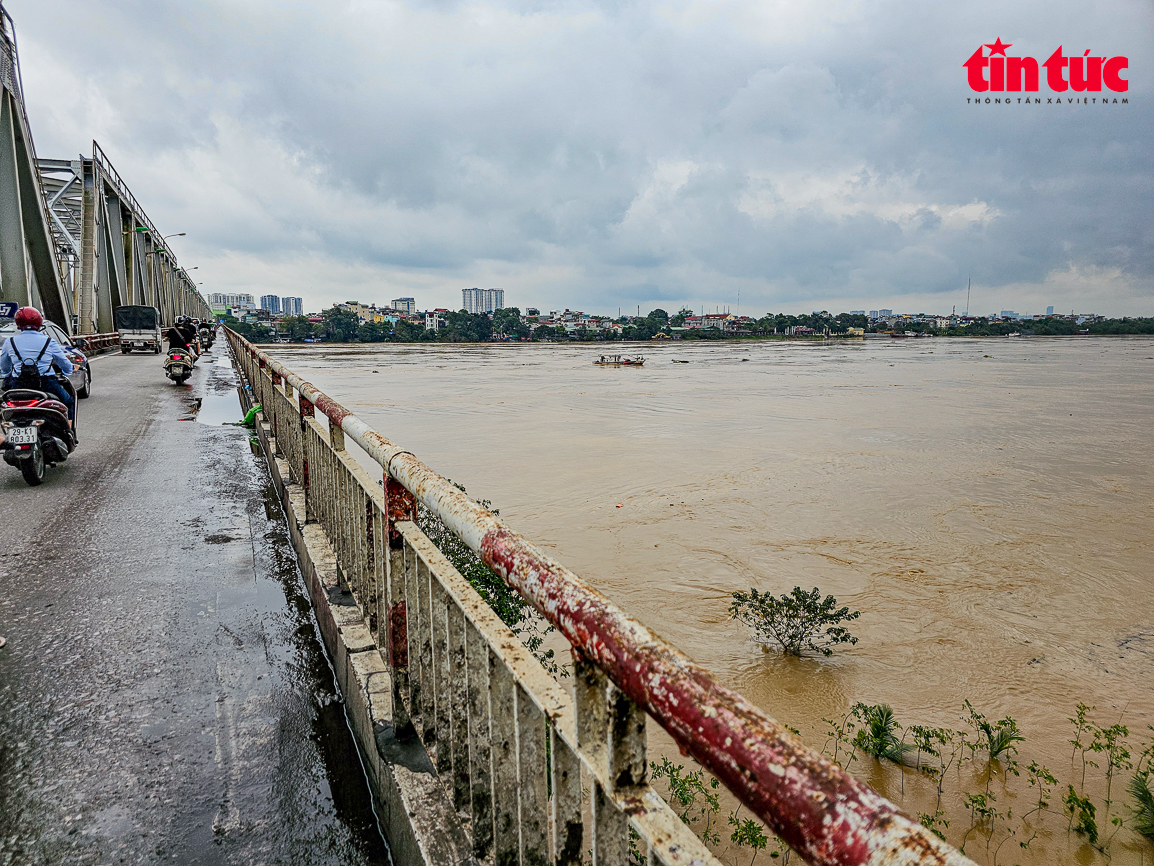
(139, 328)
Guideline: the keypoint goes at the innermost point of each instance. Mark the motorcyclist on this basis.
(188, 325)
(28, 344)
(176, 338)
(179, 336)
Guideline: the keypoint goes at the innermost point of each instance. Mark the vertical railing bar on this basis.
(610, 830)
(358, 505)
(503, 730)
(458, 701)
(568, 826)
(533, 788)
(428, 670)
(399, 506)
(480, 740)
(364, 532)
(628, 766)
(439, 619)
(413, 615)
(374, 573)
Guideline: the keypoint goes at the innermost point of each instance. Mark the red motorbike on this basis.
(36, 431)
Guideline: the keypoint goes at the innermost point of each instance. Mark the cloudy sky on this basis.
(780, 154)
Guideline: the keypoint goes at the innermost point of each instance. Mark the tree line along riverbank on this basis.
(338, 325)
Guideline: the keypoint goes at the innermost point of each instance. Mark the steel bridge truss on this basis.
(111, 253)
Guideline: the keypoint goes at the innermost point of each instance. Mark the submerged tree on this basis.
(796, 621)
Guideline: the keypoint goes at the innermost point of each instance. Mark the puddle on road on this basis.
(222, 404)
(218, 409)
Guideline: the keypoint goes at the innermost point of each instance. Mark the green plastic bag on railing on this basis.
(250, 418)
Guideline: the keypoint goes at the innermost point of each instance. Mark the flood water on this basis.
(986, 504)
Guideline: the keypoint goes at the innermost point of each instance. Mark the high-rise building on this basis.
(883, 313)
(857, 312)
(220, 299)
(292, 306)
(405, 305)
(482, 300)
(1049, 311)
(873, 314)
(270, 303)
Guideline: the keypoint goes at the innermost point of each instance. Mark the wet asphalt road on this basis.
(163, 694)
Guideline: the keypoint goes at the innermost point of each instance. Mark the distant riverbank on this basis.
(338, 325)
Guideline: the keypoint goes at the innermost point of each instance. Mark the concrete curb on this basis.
(416, 812)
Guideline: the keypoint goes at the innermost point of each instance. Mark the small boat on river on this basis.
(618, 361)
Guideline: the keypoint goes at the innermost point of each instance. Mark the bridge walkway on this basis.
(163, 692)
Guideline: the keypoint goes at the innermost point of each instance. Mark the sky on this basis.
(757, 156)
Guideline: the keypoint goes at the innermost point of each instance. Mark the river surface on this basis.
(986, 504)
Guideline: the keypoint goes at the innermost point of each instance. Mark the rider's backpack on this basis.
(27, 375)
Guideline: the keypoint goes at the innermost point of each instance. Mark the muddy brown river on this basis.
(986, 504)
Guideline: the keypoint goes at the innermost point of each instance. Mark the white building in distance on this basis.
(482, 300)
(292, 306)
(270, 303)
(404, 305)
(222, 300)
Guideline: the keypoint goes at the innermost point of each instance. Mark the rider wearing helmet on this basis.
(177, 339)
(188, 327)
(28, 345)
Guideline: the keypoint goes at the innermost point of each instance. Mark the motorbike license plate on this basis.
(22, 435)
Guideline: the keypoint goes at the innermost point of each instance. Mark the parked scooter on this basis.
(178, 365)
(36, 431)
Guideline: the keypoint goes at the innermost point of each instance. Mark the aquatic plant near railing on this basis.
(993, 747)
(936, 823)
(842, 734)
(685, 789)
(1143, 807)
(695, 797)
(796, 621)
(1040, 778)
(984, 814)
(1082, 724)
(878, 734)
(1083, 815)
(1142, 792)
(748, 833)
(1111, 742)
(934, 752)
(513, 610)
(997, 738)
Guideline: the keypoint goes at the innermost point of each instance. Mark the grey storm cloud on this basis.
(611, 154)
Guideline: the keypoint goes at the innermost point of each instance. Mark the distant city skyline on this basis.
(487, 303)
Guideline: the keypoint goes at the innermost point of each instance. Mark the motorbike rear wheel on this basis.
(33, 468)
